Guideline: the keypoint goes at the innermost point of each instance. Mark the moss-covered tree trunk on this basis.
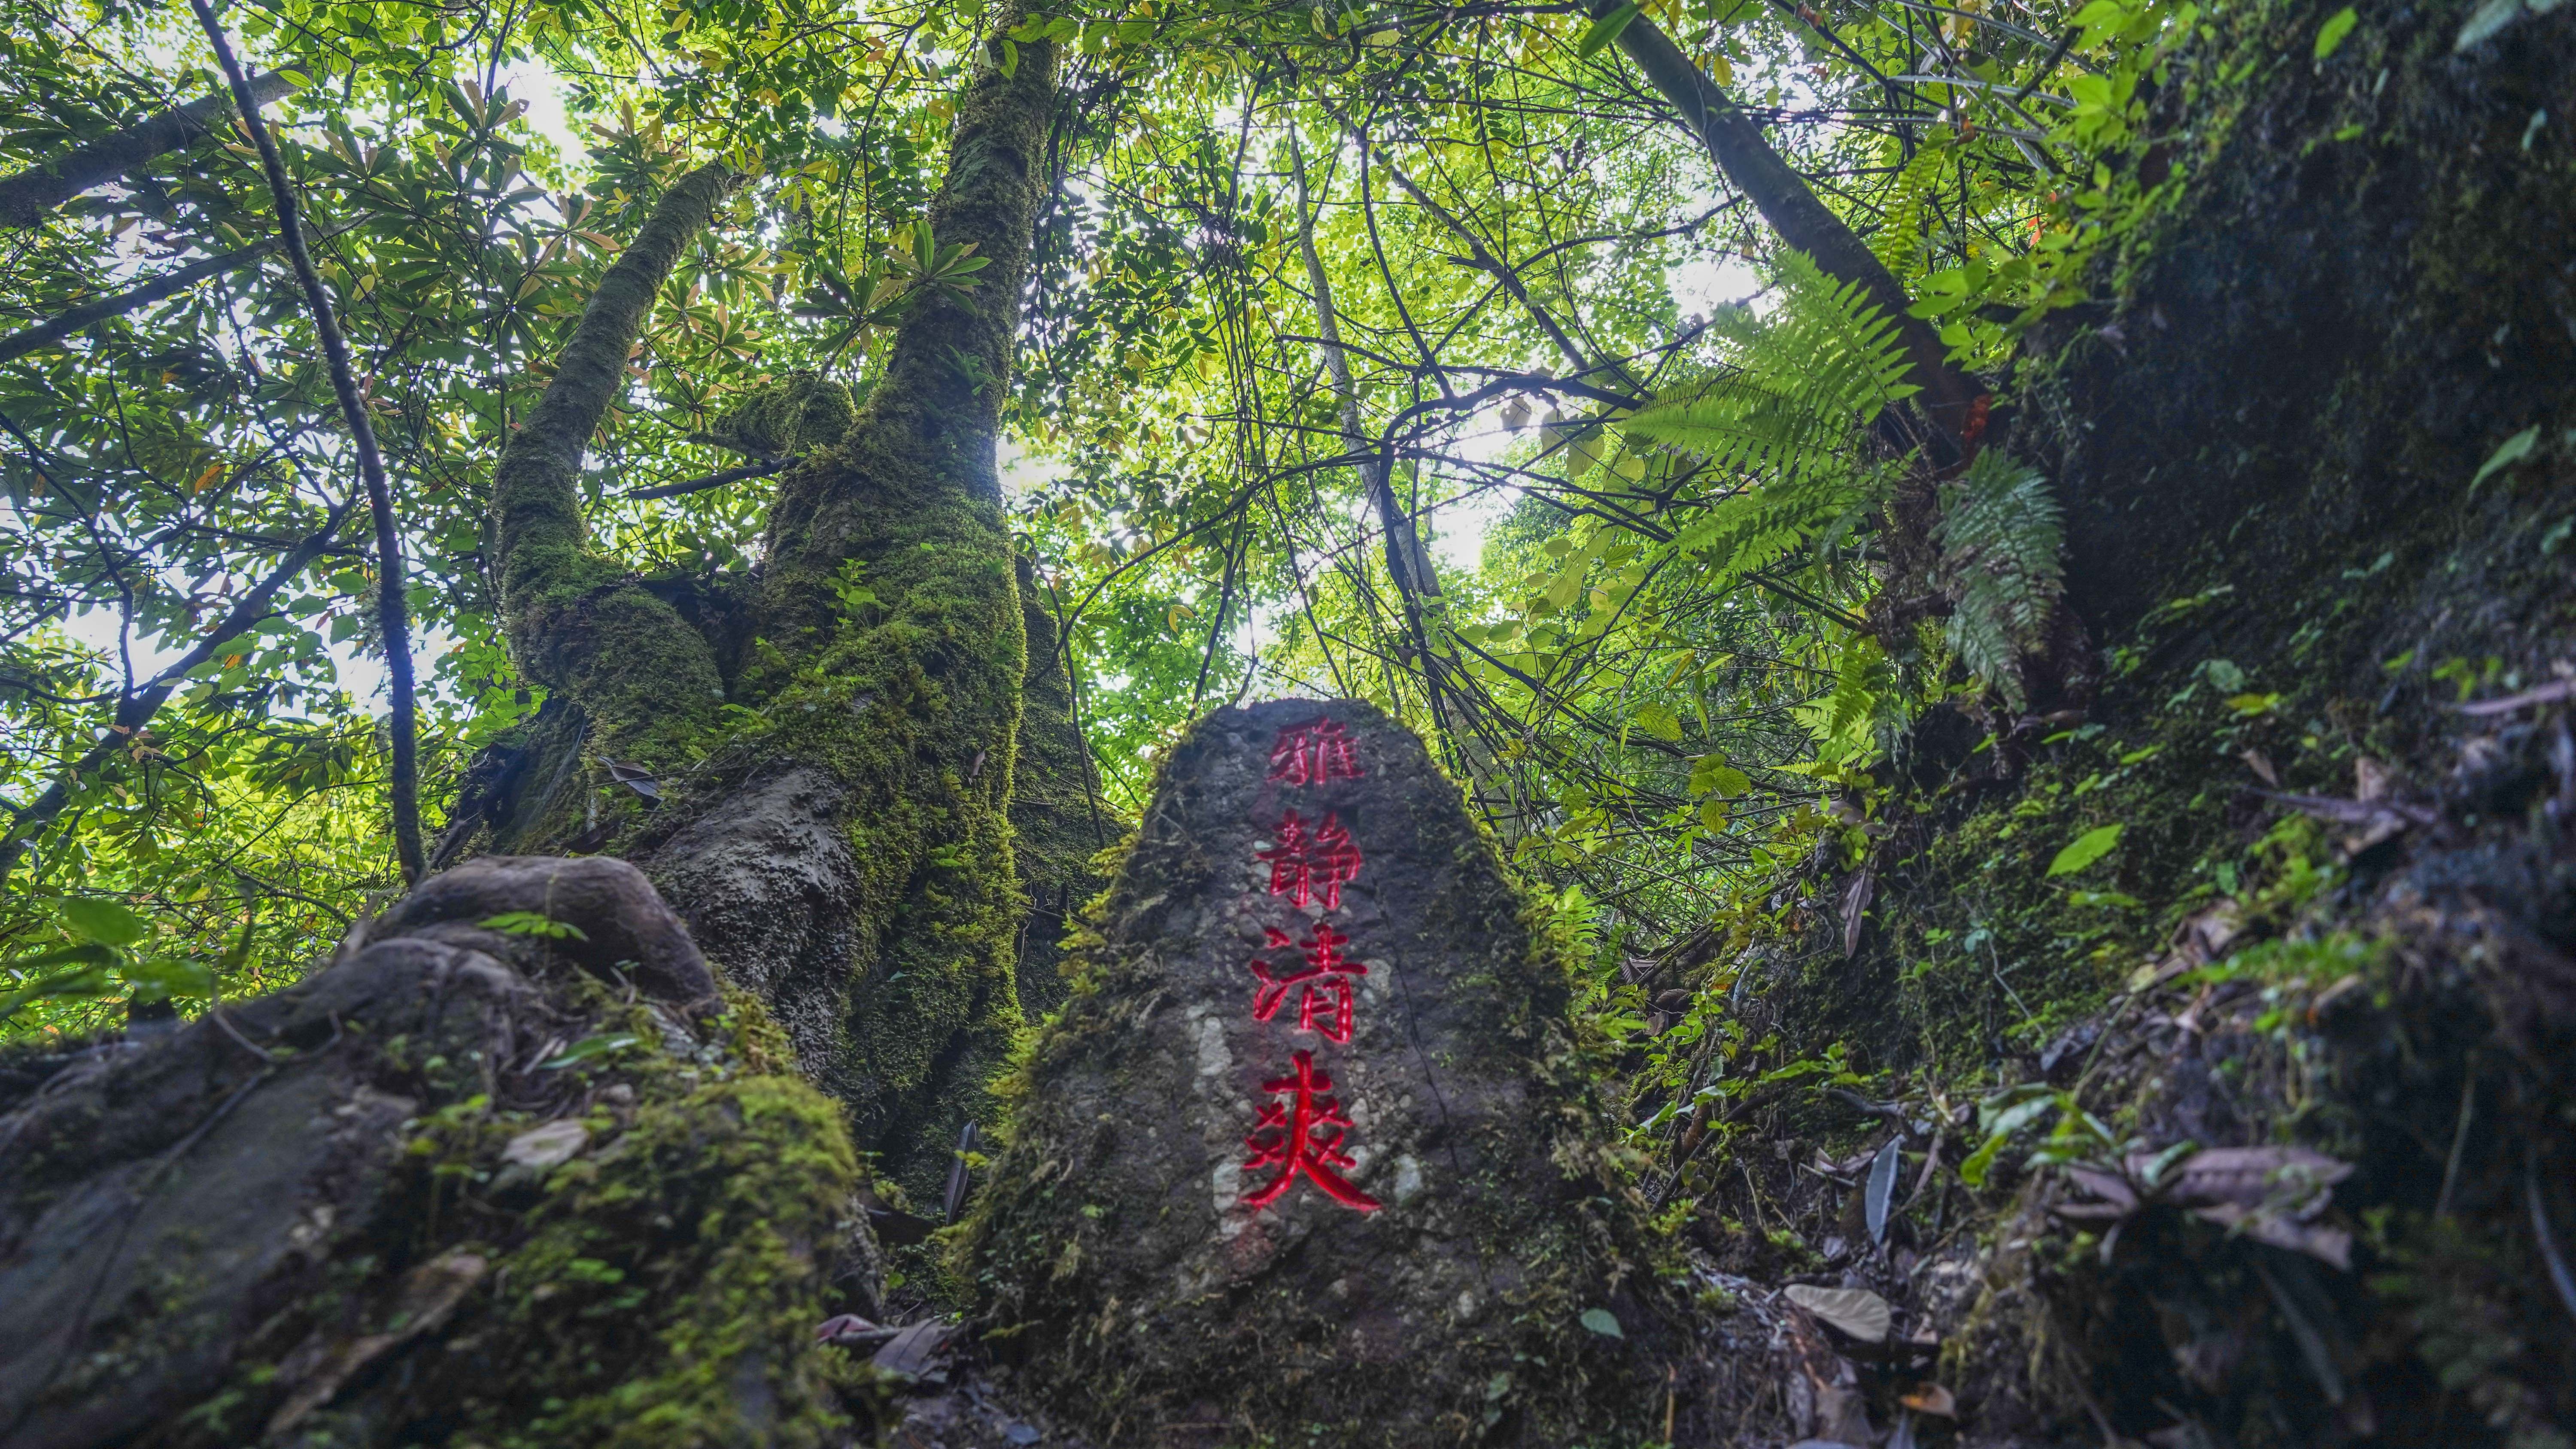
(532, 1161)
(831, 744)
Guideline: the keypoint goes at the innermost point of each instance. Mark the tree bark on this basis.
(31, 195)
(1736, 144)
(90, 314)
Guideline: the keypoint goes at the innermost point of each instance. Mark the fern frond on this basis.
(1900, 242)
(1784, 418)
(1800, 382)
(2000, 535)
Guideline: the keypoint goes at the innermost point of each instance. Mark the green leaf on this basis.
(1010, 62)
(587, 1049)
(1973, 1171)
(1712, 775)
(1600, 1320)
(2331, 35)
(2511, 451)
(87, 981)
(89, 952)
(2085, 849)
(103, 921)
(1604, 30)
(1657, 718)
(161, 977)
(532, 923)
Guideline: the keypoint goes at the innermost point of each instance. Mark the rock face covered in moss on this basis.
(460, 1187)
(2269, 436)
(1309, 903)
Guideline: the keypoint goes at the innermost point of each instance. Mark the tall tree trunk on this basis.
(847, 857)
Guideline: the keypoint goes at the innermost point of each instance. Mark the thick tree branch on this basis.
(26, 198)
(392, 605)
(936, 414)
(1790, 205)
(89, 314)
(577, 621)
(953, 353)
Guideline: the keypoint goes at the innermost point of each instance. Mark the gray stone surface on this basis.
(1427, 1258)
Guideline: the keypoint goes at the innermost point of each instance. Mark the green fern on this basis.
(1900, 240)
(1802, 380)
(1864, 680)
(1783, 422)
(2000, 533)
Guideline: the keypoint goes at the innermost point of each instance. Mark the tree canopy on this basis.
(1442, 356)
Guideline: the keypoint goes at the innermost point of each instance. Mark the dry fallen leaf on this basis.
(552, 1145)
(2248, 1176)
(1932, 1399)
(2326, 1245)
(912, 1351)
(1856, 1311)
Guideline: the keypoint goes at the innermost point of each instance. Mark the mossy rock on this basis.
(1453, 1267)
(459, 1187)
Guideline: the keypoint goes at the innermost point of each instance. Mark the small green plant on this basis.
(533, 923)
(2000, 535)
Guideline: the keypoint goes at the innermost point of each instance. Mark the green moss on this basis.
(785, 417)
(667, 1289)
(660, 1288)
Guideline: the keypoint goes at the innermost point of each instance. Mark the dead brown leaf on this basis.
(1856, 1311)
(913, 1351)
(1932, 1399)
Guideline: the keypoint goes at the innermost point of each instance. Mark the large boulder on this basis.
(1314, 1150)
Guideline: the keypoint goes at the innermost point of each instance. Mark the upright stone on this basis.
(1314, 1151)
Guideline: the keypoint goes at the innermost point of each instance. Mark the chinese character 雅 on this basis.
(1314, 754)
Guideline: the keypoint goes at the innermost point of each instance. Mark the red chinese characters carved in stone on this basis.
(1311, 865)
(1302, 1135)
(1314, 754)
(1329, 1004)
